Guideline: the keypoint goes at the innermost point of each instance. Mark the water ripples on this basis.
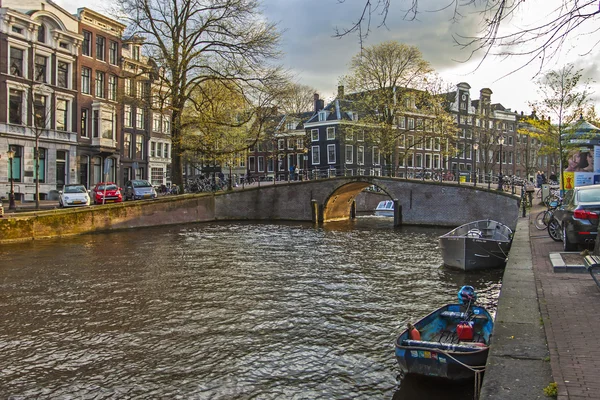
(220, 311)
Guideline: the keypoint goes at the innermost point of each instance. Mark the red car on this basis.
(106, 192)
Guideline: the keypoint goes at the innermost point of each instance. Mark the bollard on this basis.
(523, 204)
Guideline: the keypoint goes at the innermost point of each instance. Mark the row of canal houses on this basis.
(74, 88)
(316, 144)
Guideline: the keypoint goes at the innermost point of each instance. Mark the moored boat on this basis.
(385, 208)
(450, 343)
(477, 245)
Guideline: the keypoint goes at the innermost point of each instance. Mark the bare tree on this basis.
(192, 42)
(390, 81)
(537, 43)
(297, 98)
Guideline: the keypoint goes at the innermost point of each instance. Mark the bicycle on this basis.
(543, 218)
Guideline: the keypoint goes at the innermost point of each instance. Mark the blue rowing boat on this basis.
(450, 343)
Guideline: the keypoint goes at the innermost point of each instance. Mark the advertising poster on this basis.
(583, 167)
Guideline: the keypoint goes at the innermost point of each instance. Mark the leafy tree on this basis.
(194, 42)
(539, 42)
(564, 96)
(390, 81)
(219, 123)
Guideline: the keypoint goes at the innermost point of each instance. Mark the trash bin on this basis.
(463, 178)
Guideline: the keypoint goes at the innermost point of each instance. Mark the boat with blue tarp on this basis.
(450, 343)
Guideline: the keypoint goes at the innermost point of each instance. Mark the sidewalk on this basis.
(28, 206)
(547, 327)
(569, 304)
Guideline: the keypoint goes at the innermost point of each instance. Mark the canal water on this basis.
(223, 311)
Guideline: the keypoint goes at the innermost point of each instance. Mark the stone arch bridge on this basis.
(418, 202)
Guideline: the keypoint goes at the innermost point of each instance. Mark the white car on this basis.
(73, 196)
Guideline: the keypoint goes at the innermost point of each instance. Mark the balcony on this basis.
(104, 142)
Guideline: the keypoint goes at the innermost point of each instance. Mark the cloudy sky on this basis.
(319, 60)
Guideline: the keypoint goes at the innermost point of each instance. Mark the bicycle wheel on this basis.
(540, 220)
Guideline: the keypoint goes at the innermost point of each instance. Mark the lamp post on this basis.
(475, 147)
(501, 142)
(11, 195)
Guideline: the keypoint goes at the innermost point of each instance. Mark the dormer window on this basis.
(290, 126)
(136, 53)
(41, 34)
(322, 116)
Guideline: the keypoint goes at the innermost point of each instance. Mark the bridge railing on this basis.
(460, 177)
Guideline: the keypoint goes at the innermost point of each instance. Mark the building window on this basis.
(17, 29)
(108, 124)
(39, 111)
(331, 153)
(15, 107)
(140, 86)
(166, 155)
(376, 156)
(331, 133)
(156, 125)
(85, 115)
(15, 167)
(136, 53)
(62, 74)
(96, 123)
(139, 147)
(159, 149)
(314, 135)
(360, 155)
(316, 155)
(112, 87)
(86, 46)
(166, 126)
(41, 65)
(41, 170)
(419, 160)
(261, 164)
(152, 149)
(100, 84)
(156, 176)
(411, 123)
(127, 112)
(100, 43)
(62, 114)
(128, 87)
(16, 61)
(112, 52)
(86, 76)
(139, 119)
(127, 145)
(349, 154)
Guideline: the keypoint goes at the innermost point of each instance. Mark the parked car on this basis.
(578, 217)
(138, 189)
(107, 192)
(74, 195)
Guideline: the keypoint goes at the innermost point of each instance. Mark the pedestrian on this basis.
(292, 170)
(538, 179)
(553, 178)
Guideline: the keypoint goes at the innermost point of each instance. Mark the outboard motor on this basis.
(464, 329)
(467, 295)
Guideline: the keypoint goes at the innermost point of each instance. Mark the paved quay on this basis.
(547, 325)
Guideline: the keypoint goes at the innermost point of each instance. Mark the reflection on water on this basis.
(220, 311)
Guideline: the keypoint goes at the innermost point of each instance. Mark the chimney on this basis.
(340, 94)
(316, 102)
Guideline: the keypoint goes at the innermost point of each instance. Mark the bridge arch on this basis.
(341, 203)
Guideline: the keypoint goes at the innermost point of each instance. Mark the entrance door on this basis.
(61, 169)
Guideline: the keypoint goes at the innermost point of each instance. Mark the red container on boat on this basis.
(464, 330)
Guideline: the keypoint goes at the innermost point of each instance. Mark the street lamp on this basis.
(475, 147)
(11, 195)
(501, 142)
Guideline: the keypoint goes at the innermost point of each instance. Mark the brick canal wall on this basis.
(67, 222)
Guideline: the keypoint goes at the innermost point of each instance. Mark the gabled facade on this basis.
(39, 44)
(99, 76)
